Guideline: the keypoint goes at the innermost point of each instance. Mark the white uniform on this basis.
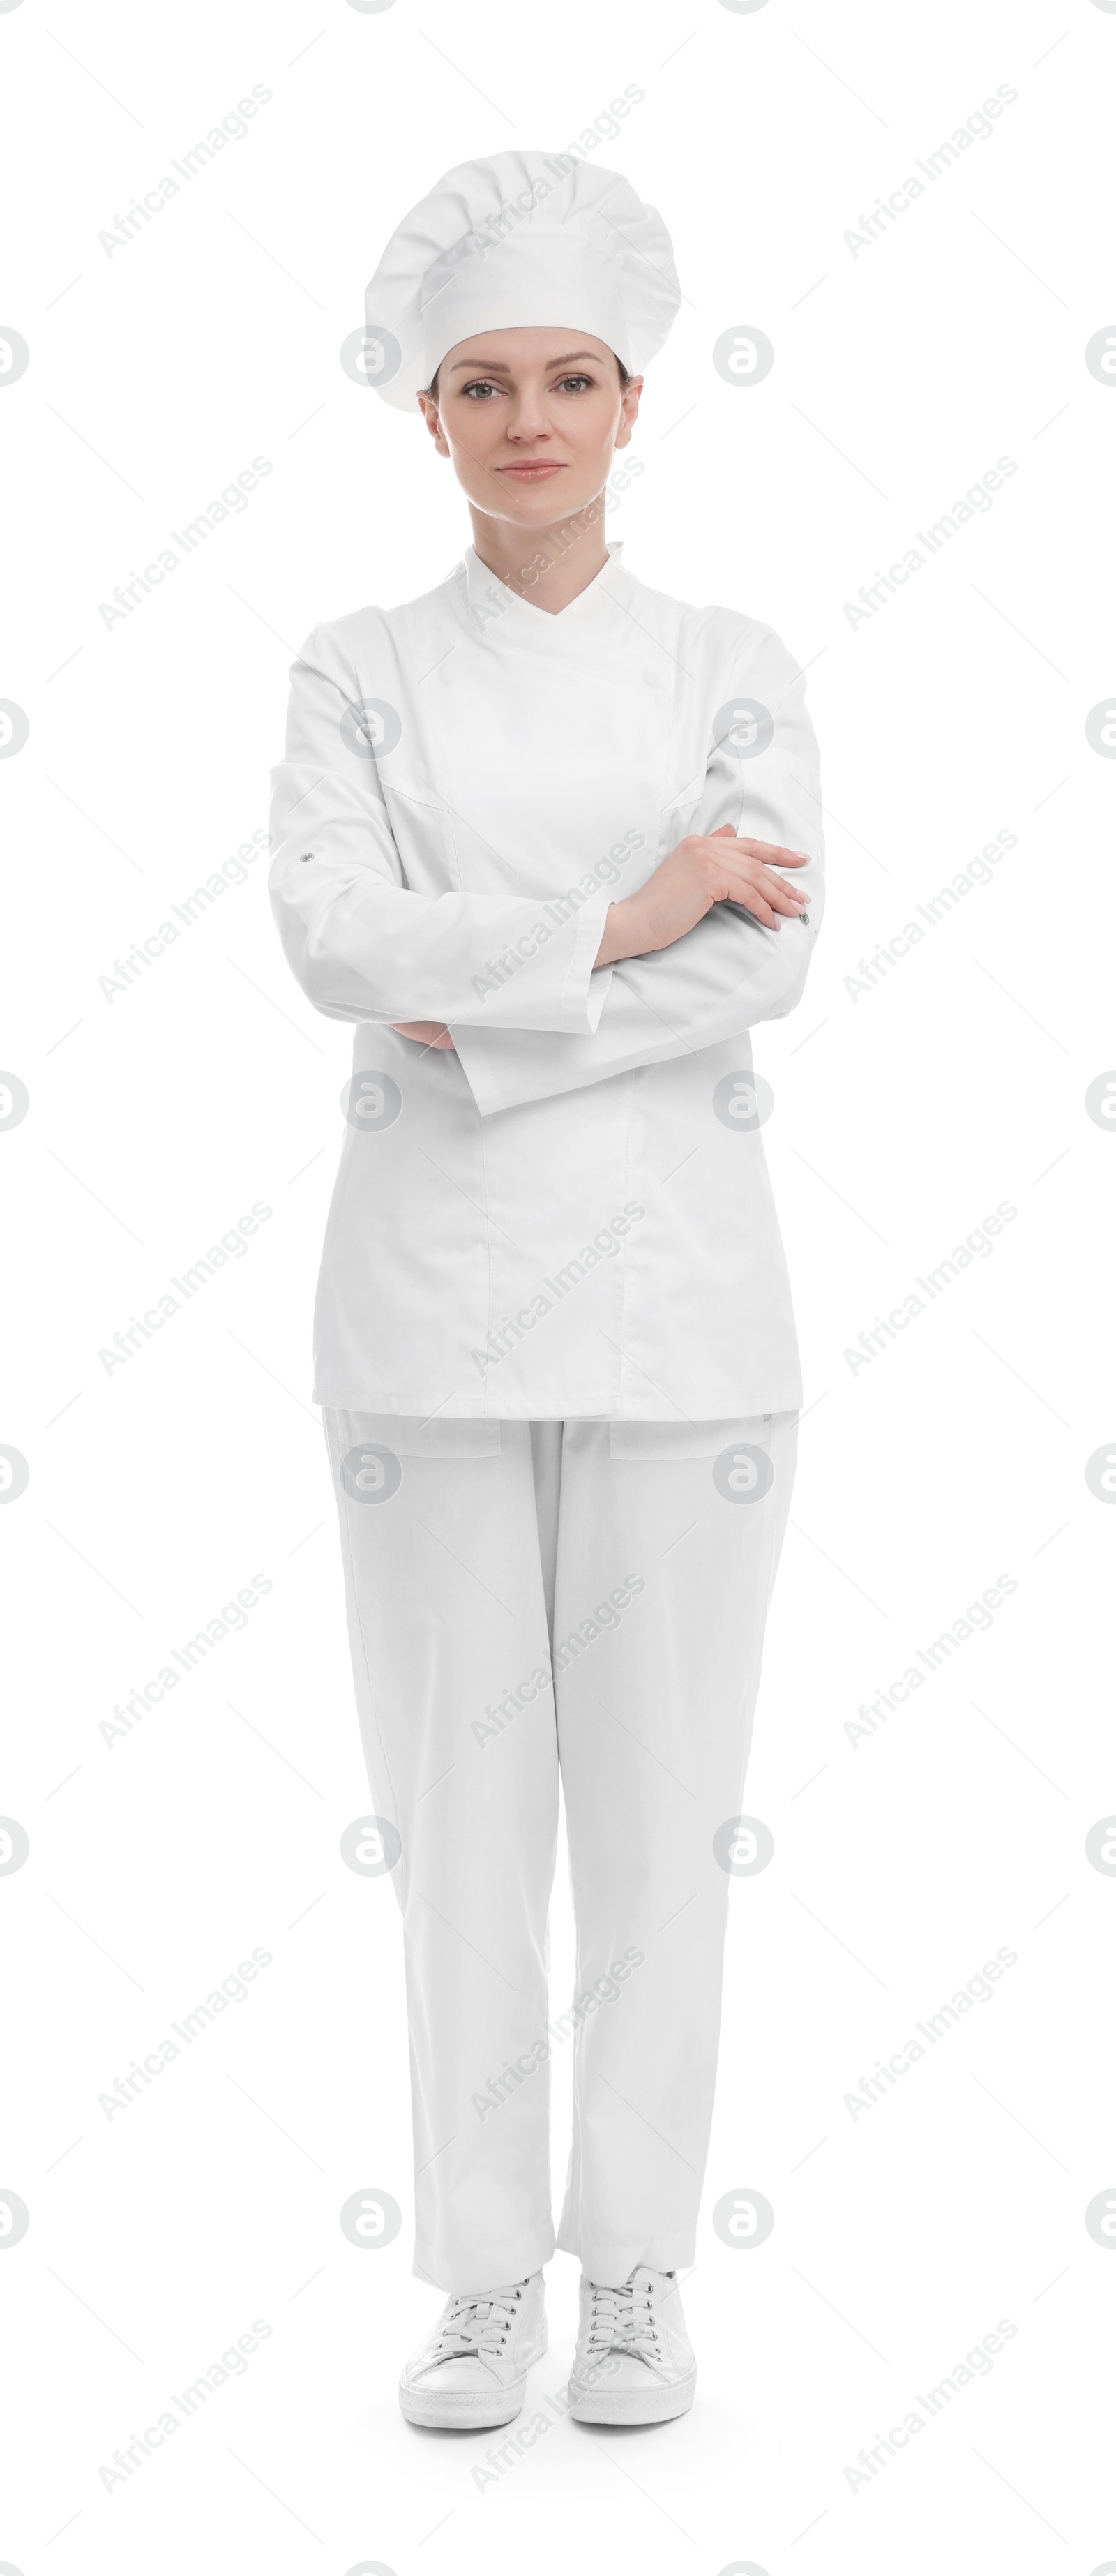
(572, 1213)
(634, 1561)
(554, 1337)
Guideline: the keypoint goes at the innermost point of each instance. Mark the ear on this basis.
(629, 410)
(429, 410)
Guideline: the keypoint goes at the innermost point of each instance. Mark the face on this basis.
(530, 420)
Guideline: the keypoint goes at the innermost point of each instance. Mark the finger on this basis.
(773, 856)
(787, 898)
(425, 1033)
(749, 901)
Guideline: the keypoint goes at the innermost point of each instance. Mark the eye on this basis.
(482, 386)
(575, 384)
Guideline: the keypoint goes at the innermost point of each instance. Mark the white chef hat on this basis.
(522, 238)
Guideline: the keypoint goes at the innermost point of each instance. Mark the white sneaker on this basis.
(634, 2363)
(472, 2370)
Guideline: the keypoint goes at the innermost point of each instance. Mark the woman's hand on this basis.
(704, 869)
(428, 1033)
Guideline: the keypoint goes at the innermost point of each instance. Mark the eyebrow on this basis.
(497, 366)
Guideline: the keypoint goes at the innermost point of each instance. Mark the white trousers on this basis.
(524, 1596)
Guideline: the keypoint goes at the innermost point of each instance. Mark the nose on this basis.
(527, 420)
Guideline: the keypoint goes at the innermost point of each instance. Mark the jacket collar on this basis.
(492, 608)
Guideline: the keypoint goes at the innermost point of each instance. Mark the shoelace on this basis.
(622, 2320)
(478, 2325)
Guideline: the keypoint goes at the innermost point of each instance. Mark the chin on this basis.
(535, 504)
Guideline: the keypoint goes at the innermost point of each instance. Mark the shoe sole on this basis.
(464, 2410)
(632, 2406)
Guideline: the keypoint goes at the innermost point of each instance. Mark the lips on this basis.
(530, 473)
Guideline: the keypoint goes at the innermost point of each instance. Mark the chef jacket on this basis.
(571, 1213)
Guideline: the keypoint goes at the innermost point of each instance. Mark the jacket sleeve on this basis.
(361, 942)
(729, 971)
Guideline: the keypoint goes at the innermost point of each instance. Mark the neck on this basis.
(550, 565)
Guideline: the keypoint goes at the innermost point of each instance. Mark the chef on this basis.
(551, 842)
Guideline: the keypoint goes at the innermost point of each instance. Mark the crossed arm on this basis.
(715, 940)
(703, 870)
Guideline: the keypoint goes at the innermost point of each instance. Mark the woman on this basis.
(516, 844)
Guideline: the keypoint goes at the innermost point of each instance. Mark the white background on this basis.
(903, 1116)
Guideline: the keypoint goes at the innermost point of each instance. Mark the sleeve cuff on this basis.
(584, 991)
(485, 1053)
